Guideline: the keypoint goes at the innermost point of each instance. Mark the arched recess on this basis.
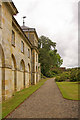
(14, 79)
(22, 68)
(2, 73)
(36, 74)
(29, 73)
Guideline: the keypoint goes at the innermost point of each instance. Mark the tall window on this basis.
(13, 38)
(22, 47)
(0, 15)
(28, 53)
(36, 57)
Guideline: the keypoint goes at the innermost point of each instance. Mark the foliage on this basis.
(48, 56)
(78, 75)
(50, 74)
(57, 70)
(72, 75)
(62, 77)
(45, 42)
(57, 79)
(42, 76)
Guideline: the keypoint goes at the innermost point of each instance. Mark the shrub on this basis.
(50, 74)
(71, 75)
(42, 76)
(78, 75)
(56, 70)
(74, 75)
(57, 79)
(63, 77)
(67, 75)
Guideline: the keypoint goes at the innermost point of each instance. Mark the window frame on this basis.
(22, 47)
(0, 16)
(28, 53)
(13, 38)
(36, 57)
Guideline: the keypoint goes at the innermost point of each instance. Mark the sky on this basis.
(56, 19)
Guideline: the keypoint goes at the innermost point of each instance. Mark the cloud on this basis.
(56, 19)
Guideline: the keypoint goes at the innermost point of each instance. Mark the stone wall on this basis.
(17, 69)
(0, 53)
(16, 74)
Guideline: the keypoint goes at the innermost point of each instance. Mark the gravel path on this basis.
(46, 102)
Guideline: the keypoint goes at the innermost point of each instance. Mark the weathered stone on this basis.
(17, 70)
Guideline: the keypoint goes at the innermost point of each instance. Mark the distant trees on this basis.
(48, 56)
(72, 75)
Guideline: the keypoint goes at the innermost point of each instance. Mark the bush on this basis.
(78, 75)
(42, 76)
(56, 70)
(74, 75)
(57, 79)
(67, 75)
(50, 74)
(63, 77)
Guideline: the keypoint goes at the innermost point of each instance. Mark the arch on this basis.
(2, 73)
(14, 79)
(28, 67)
(22, 68)
(22, 65)
(29, 73)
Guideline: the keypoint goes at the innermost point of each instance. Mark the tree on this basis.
(55, 58)
(45, 42)
(48, 56)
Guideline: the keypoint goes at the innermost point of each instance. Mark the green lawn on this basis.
(19, 97)
(69, 90)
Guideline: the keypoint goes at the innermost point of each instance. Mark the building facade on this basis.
(19, 65)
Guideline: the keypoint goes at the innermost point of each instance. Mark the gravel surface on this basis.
(46, 102)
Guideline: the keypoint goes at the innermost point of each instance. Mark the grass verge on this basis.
(9, 105)
(69, 90)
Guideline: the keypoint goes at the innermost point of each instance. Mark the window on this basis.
(13, 38)
(0, 16)
(36, 57)
(28, 53)
(22, 47)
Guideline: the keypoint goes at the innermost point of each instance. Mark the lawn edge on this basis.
(65, 97)
(23, 101)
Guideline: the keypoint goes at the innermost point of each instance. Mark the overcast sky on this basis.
(56, 19)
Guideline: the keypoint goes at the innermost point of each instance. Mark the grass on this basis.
(69, 90)
(9, 105)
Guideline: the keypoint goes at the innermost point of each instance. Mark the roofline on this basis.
(21, 31)
(31, 30)
(34, 47)
(12, 7)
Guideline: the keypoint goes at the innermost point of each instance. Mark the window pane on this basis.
(0, 16)
(22, 46)
(13, 38)
(28, 53)
(36, 57)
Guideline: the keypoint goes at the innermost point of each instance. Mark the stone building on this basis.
(19, 65)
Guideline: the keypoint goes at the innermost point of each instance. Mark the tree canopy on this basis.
(48, 56)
